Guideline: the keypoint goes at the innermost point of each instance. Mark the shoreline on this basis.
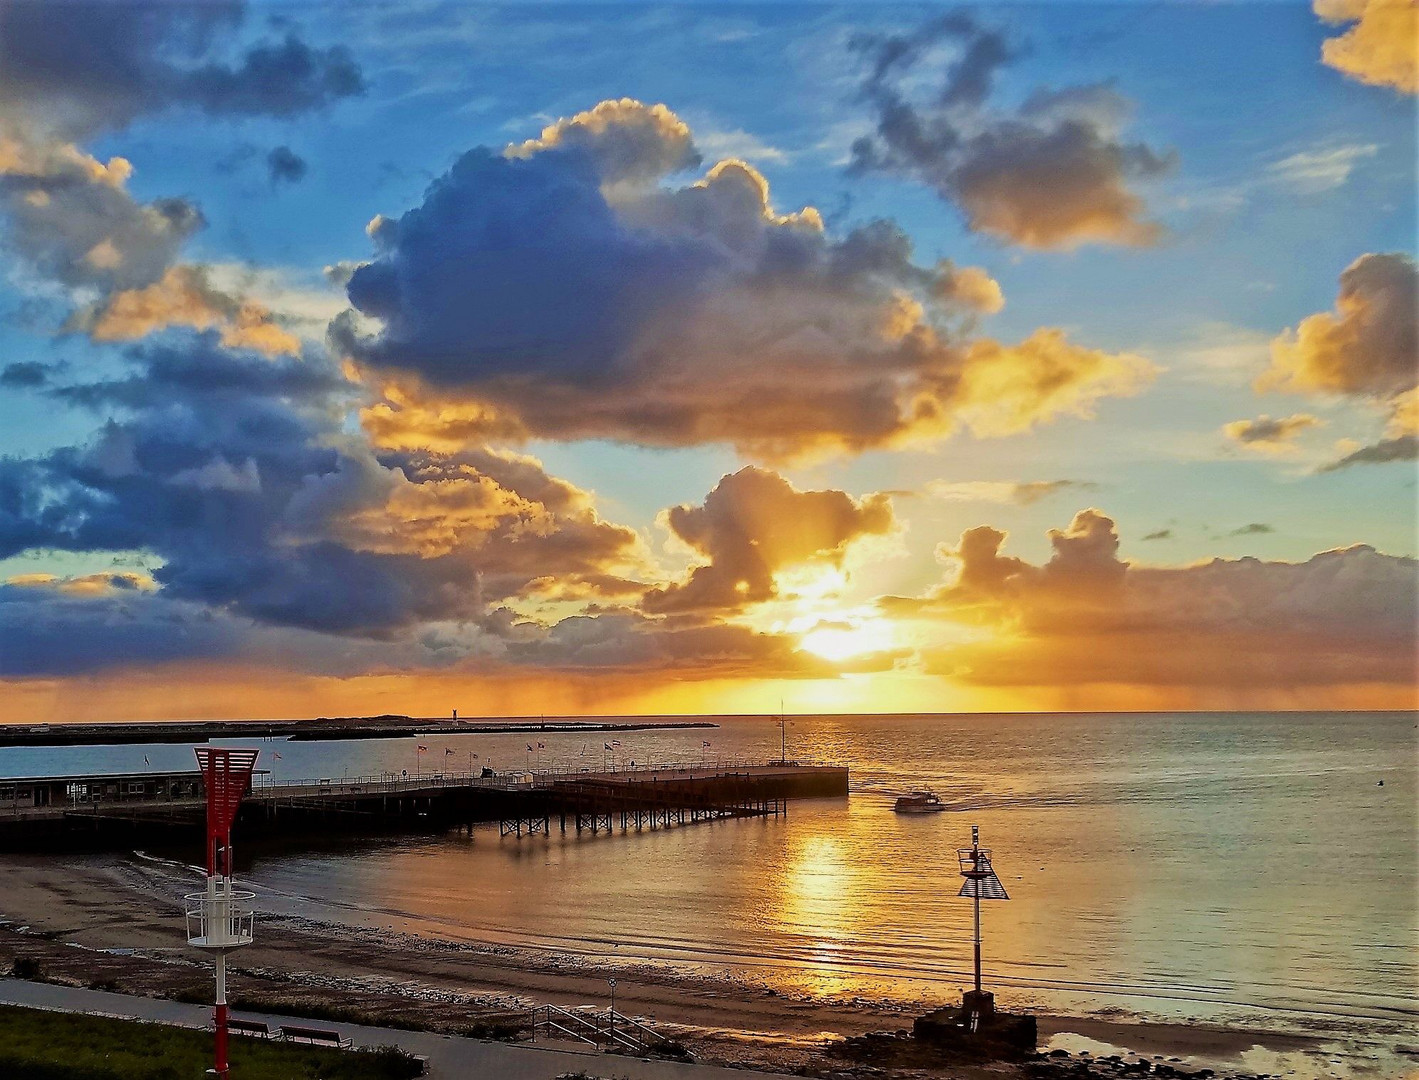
(116, 921)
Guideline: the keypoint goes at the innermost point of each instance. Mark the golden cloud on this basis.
(1379, 49)
(973, 287)
(1367, 346)
(1088, 617)
(90, 585)
(184, 296)
(499, 512)
(1007, 389)
(1270, 436)
(755, 524)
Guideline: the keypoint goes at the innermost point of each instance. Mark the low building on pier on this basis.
(31, 793)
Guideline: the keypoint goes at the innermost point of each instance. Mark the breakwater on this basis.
(388, 726)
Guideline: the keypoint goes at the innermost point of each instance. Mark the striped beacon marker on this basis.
(980, 884)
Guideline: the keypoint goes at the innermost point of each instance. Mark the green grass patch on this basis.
(41, 1045)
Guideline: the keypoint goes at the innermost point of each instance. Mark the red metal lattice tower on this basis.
(222, 923)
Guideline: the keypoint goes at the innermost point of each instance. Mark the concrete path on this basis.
(449, 1057)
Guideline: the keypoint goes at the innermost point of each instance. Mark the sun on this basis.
(845, 640)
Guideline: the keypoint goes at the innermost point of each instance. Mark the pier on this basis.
(114, 810)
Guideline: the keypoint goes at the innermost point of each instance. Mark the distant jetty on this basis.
(388, 726)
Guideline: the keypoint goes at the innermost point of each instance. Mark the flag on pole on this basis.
(529, 748)
(615, 742)
(447, 751)
(275, 755)
(541, 746)
(705, 744)
(145, 759)
(423, 749)
(606, 746)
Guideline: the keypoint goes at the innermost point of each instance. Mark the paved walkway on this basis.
(449, 1057)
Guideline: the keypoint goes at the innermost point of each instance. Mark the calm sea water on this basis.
(1240, 867)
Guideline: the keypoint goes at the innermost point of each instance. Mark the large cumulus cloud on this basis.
(754, 524)
(571, 288)
(1086, 616)
(1054, 173)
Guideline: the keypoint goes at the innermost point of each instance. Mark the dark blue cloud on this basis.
(207, 468)
(284, 165)
(1053, 173)
(516, 266)
(24, 374)
(46, 632)
(85, 65)
(236, 473)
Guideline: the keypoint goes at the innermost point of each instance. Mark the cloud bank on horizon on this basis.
(343, 485)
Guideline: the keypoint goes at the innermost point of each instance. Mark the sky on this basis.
(585, 359)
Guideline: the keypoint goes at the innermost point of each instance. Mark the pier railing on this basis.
(390, 783)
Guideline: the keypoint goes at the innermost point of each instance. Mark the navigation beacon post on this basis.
(980, 884)
(220, 918)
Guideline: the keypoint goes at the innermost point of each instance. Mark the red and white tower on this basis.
(220, 918)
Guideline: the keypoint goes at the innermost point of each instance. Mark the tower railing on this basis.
(220, 919)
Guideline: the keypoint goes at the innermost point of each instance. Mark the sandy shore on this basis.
(72, 913)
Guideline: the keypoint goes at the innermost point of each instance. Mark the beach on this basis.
(115, 922)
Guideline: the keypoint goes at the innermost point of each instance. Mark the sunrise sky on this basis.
(366, 358)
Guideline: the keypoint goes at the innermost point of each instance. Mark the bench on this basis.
(250, 1027)
(314, 1036)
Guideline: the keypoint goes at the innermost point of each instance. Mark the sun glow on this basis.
(838, 641)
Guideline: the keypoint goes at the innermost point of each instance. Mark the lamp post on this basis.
(613, 1009)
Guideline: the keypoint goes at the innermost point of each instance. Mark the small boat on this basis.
(919, 802)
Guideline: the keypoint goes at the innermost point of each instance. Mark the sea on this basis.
(1241, 868)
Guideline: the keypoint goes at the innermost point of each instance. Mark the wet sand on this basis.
(68, 912)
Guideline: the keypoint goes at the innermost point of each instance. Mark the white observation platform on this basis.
(220, 918)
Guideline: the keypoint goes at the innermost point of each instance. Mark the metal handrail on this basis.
(510, 780)
(602, 1026)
